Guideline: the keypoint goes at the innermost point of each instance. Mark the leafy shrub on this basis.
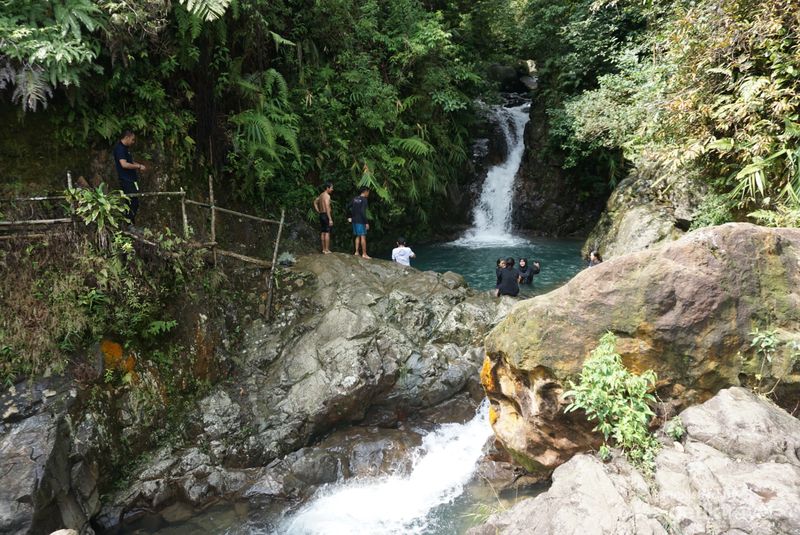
(106, 211)
(714, 210)
(619, 401)
(675, 429)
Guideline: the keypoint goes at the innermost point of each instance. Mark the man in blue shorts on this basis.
(358, 217)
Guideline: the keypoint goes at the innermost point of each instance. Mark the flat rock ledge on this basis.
(737, 472)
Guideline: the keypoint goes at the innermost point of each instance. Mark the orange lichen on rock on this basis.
(112, 353)
(492, 415)
(487, 379)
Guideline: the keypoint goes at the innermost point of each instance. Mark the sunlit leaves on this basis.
(208, 10)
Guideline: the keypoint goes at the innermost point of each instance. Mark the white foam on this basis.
(492, 214)
(400, 504)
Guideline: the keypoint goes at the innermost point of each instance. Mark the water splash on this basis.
(492, 214)
(401, 504)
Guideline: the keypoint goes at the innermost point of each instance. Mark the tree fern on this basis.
(208, 10)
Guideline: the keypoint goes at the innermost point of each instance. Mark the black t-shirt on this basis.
(508, 284)
(526, 274)
(121, 152)
(358, 210)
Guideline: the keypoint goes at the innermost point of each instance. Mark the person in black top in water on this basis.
(508, 283)
(126, 171)
(595, 258)
(526, 271)
(501, 265)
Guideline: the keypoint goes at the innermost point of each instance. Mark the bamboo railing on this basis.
(212, 245)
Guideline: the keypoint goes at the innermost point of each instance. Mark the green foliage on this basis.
(619, 401)
(778, 215)
(45, 44)
(675, 429)
(207, 9)
(106, 211)
(714, 210)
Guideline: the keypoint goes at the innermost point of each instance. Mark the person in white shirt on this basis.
(402, 254)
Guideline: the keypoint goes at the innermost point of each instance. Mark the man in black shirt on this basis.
(358, 217)
(126, 171)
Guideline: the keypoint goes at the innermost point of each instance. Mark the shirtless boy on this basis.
(322, 204)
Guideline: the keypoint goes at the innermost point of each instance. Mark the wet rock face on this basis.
(363, 338)
(685, 310)
(638, 215)
(547, 199)
(352, 341)
(41, 489)
(736, 472)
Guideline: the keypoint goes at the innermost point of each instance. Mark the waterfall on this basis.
(492, 214)
(399, 504)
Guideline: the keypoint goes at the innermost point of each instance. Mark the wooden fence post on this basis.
(272, 268)
(71, 204)
(213, 218)
(183, 214)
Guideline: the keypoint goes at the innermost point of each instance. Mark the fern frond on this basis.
(32, 90)
(208, 10)
(414, 145)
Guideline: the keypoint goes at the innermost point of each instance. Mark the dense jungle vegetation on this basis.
(276, 97)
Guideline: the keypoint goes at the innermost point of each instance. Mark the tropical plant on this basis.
(94, 206)
(675, 429)
(619, 401)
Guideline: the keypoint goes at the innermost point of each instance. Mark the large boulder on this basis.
(41, 487)
(362, 339)
(686, 309)
(352, 341)
(640, 214)
(738, 472)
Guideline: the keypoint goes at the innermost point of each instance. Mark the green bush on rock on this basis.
(619, 400)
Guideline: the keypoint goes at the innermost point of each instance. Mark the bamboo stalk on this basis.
(244, 258)
(272, 268)
(35, 222)
(183, 214)
(35, 199)
(233, 212)
(23, 236)
(213, 217)
(71, 203)
(156, 194)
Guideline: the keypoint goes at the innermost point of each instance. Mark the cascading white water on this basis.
(399, 504)
(492, 214)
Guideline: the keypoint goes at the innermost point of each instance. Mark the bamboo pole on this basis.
(272, 268)
(71, 204)
(157, 194)
(244, 258)
(35, 222)
(233, 212)
(23, 236)
(35, 199)
(213, 218)
(183, 215)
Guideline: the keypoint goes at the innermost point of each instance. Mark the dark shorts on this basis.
(359, 229)
(324, 223)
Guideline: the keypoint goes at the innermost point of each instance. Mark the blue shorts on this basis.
(359, 229)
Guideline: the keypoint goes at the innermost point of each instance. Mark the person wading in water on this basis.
(322, 204)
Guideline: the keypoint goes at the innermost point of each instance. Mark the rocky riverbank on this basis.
(352, 341)
(736, 471)
(688, 310)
